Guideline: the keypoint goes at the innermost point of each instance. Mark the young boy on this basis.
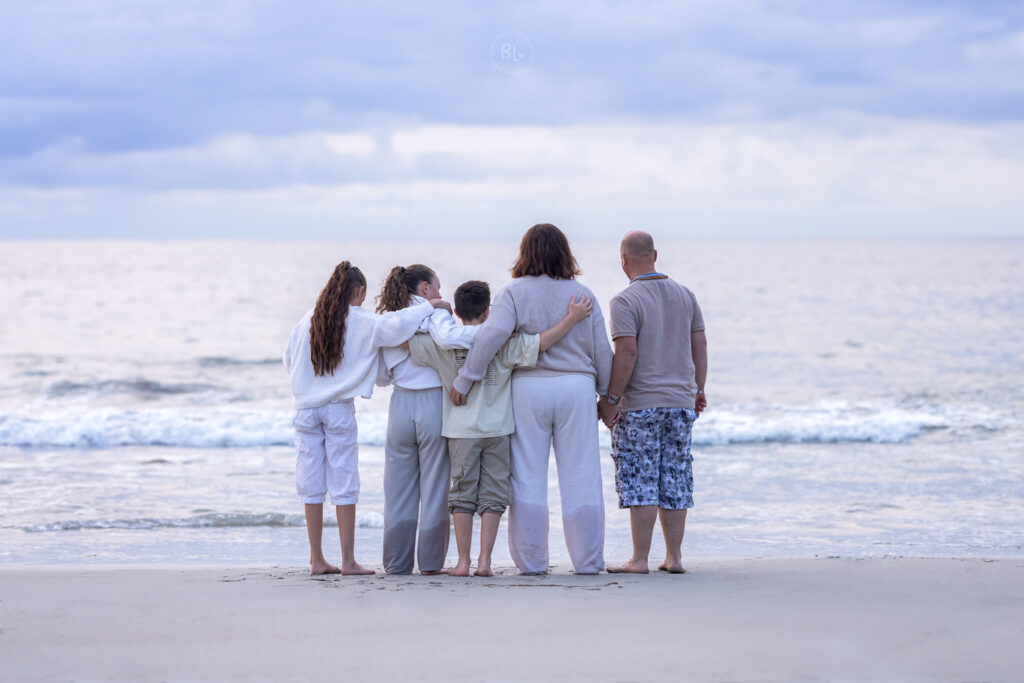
(478, 432)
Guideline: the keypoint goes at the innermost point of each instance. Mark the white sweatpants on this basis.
(561, 410)
(327, 453)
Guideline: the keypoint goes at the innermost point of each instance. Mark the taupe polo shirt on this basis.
(661, 314)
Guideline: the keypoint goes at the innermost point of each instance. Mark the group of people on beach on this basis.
(477, 407)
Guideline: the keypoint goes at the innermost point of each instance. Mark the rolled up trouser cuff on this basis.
(344, 500)
(491, 507)
(461, 506)
(313, 500)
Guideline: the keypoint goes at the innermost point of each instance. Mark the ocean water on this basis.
(866, 399)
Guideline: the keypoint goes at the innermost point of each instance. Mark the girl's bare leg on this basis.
(347, 533)
(315, 530)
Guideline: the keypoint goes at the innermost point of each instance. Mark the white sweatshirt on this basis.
(398, 367)
(357, 370)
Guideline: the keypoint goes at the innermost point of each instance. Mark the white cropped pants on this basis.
(327, 453)
(562, 411)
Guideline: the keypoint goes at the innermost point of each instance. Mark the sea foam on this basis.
(238, 428)
(365, 520)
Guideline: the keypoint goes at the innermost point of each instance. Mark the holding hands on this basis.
(607, 412)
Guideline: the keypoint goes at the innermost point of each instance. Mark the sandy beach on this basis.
(729, 620)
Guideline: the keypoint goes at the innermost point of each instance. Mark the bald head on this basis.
(638, 244)
(638, 253)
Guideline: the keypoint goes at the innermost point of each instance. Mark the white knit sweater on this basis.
(356, 373)
(396, 366)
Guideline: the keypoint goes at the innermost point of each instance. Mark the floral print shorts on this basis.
(653, 464)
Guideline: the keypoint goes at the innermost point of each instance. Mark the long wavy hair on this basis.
(545, 250)
(400, 285)
(327, 328)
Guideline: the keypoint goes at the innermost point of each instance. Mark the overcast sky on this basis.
(718, 119)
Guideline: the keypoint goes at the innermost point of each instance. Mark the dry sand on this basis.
(726, 620)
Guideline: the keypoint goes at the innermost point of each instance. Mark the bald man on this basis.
(655, 393)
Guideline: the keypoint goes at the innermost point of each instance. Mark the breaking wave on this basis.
(113, 427)
(365, 520)
(225, 428)
(141, 388)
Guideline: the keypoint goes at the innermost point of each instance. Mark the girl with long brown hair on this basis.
(416, 465)
(332, 358)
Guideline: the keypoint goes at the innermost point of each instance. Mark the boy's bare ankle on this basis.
(460, 569)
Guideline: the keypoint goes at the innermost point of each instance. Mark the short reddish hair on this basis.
(545, 251)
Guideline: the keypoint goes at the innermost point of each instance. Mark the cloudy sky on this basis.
(717, 119)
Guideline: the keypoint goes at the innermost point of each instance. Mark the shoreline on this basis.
(557, 569)
(732, 619)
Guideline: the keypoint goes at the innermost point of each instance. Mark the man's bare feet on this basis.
(355, 569)
(433, 572)
(630, 567)
(320, 568)
(671, 567)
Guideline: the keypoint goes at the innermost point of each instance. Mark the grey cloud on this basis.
(112, 77)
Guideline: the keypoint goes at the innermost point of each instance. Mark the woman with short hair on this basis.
(554, 403)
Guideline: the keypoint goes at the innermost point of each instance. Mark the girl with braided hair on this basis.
(332, 358)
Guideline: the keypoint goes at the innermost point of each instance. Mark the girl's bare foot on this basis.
(460, 569)
(318, 568)
(630, 567)
(671, 567)
(483, 569)
(355, 569)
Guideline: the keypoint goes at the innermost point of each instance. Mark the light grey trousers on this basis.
(416, 471)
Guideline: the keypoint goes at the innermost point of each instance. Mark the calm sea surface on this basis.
(866, 399)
